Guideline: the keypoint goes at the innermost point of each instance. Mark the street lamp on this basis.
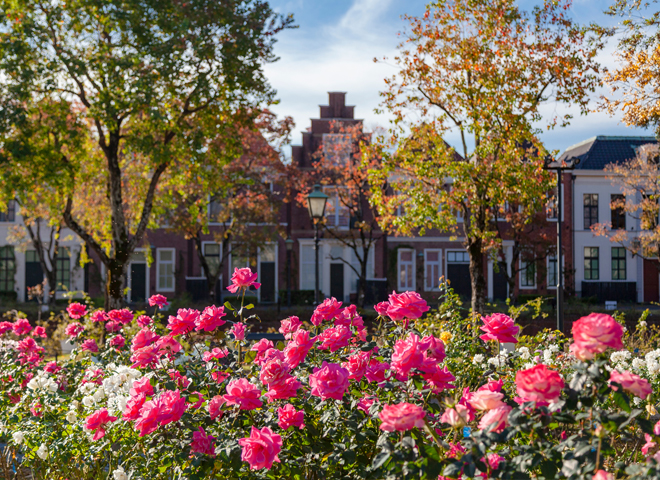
(289, 247)
(316, 206)
(560, 166)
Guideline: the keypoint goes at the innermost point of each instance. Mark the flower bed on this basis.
(188, 397)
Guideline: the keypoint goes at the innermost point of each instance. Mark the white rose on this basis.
(71, 416)
(52, 386)
(120, 474)
(98, 395)
(88, 401)
(18, 437)
(42, 452)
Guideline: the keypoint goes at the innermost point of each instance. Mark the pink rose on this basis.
(97, 421)
(202, 443)
(650, 445)
(357, 365)
(184, 322)
(147, 421)
(211, 318)
(365, 404)
(486, 400)
(602, 475)
(594, 334)
(170, 406)
(401, 417)
(145, 356)
(198, 400)
(39, 332)
(260, 449)
(74, 329)
(242, 279)
(493, 386)
(238, 331)
(123, 316)
(457, 416)
(52, 367)
(439, 379)
(381, 308)
(631, 383)
(656, 428)
(329, 381)
(215, 406)
(434, 347)
(297, 349)
(327, 310)
(406, 306)
(494, 460)
(142, 385)
(76, 310)
(408, 355)
(6, 327)
(143, 338)
(113, 326)
(98, 316)
(90, 346)
(350, 318)
(242, 393)
(143, 321)
(376, 371)
(168, 345)
(134, 407)
(117, 341)
(496, 419)
(283, 390)
(289, 325)
(499, 327)
(22, 326)
(216, 353)
(539, 384)
(159, 300)
(335, 338)
(290, 417)
(274, 371)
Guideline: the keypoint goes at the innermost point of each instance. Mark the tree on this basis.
(246, 196)
(482, 69)
(639, 181)
(151, 80)
(636, 83)
(343, 166)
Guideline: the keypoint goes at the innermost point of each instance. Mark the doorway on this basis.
(34, 274)
(337, 281)
(138, 280)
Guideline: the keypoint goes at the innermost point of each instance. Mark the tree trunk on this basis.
(477, 280)
(114, 285)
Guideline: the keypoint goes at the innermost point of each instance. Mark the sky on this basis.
(334, 47)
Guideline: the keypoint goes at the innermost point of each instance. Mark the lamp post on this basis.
(560, 166)
(316, 206)
(289, 247)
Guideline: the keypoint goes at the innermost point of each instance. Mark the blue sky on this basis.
(335, 44)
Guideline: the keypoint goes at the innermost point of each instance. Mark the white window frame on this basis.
(158, 264)
(427, 264)
(522, 273)
(412, 272)
(332, 191)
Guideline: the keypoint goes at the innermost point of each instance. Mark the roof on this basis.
(597, 152)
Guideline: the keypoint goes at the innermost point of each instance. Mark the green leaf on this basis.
(249, 307)
(380, 460)
(622, 401)
(229, 306)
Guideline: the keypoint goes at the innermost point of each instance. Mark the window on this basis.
(591, 267)
(432, 270)
(212, 254)
(618, 263)
(165, 269)
(552, 272)
(551, 205)
(337, 148)
(7, 268)
(527, 273)
(406, 269)
(590, 210)
(458, 257)
(336, 213)
(308, 267)
(63, 265)
(618, 213)
(10, 214)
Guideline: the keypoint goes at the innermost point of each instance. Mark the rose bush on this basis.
(187, 396)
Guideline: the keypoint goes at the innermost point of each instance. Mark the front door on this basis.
(500, 285)
(34, 274)
(138, 282)
(337, 281)
(267, 290)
